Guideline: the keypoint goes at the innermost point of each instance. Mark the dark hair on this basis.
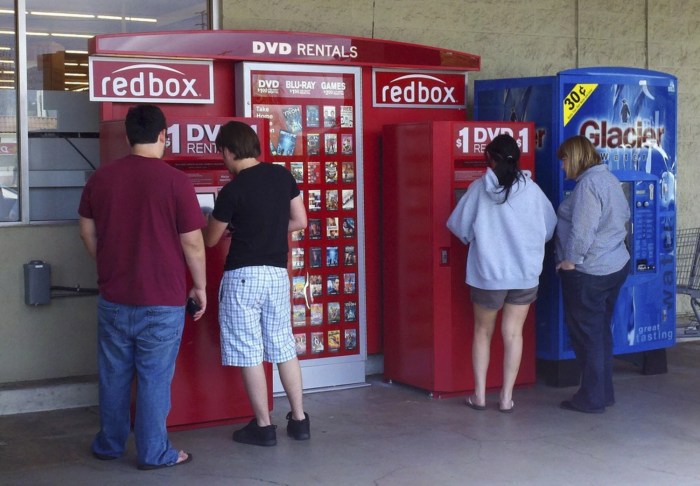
(240, 139)
(144, 123)
(505, 154)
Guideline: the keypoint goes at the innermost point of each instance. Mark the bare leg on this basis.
(484, 324)
(512, 322)
(290, 376)
(256, 386)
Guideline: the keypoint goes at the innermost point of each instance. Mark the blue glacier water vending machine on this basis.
(630, 115)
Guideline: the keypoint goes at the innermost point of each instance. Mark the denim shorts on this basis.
(494, 299)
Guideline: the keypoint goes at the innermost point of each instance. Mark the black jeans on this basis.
(589, 301)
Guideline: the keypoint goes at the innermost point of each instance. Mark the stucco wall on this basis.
(47, 341)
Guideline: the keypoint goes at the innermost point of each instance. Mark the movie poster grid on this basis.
(316, 130)
(324, 263)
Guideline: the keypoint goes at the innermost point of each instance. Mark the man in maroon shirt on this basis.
(140, 220)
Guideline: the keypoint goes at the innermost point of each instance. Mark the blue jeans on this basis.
(141, 342)
(589, 301)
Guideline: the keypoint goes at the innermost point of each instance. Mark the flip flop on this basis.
(473, 405)
(151, 467)
(507, 410)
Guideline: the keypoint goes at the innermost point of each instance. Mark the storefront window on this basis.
(9, 166)
(63, 144)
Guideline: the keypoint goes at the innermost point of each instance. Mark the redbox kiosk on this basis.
(325, 99)
(428, 317)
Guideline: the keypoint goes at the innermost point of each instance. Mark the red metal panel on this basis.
(428, 316)
(376, 183)
(291, 47)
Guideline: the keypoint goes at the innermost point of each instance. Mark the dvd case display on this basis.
(312, 116)
(300, 344)
(313, 144)
(348, 169)
(332, 199)
(333, 312)
(332, 256)
(315, 261)
(299, 315)
(332, 231)
(329, 116)
(314, 135)
(331, 172)
(297, 170)
(297, 258)
(346, 144)
(298, 285)
(317, 342)
(331, 143)
(316, 314)
(348, 227)
(348, 199)
(316, 285)
(350, 339)
(346, 117)
(314, 200)
(334, 340)
(349, 283)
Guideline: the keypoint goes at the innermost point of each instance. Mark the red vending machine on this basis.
(428, 319)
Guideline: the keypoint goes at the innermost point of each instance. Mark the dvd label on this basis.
(271, 48)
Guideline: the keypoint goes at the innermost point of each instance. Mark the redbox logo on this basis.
(148, 80)
(425, 90)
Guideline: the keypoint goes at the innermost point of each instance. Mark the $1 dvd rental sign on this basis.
(193, 140)
(471, 140)
(196, 138)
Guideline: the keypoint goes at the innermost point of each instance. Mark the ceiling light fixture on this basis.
(61, 14)
(81, 36)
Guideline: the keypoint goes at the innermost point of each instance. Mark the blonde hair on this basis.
(578, 154)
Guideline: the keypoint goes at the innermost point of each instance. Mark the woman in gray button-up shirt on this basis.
(593, 262)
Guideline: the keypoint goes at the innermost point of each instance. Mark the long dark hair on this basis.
(503, 151)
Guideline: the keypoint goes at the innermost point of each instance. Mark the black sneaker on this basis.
(253, 434)
(299, 429)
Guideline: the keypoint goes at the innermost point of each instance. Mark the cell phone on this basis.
(192, 307)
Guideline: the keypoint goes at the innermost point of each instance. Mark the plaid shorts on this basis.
(255, 317)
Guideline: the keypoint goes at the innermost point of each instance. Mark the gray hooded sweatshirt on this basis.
(506, 241)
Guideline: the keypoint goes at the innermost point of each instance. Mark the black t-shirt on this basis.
(256, 204)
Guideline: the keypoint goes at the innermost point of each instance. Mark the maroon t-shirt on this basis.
(140, 206)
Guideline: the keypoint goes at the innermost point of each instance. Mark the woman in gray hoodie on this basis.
(505, 218)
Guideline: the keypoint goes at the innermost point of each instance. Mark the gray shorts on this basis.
(494, 299)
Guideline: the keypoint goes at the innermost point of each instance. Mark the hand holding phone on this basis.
(192, 307)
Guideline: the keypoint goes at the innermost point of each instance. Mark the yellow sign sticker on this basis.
(575, 100)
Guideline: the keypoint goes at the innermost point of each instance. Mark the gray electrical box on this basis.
(37, 283)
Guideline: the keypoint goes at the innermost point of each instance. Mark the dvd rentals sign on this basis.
(150, 80)
(413, 89)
